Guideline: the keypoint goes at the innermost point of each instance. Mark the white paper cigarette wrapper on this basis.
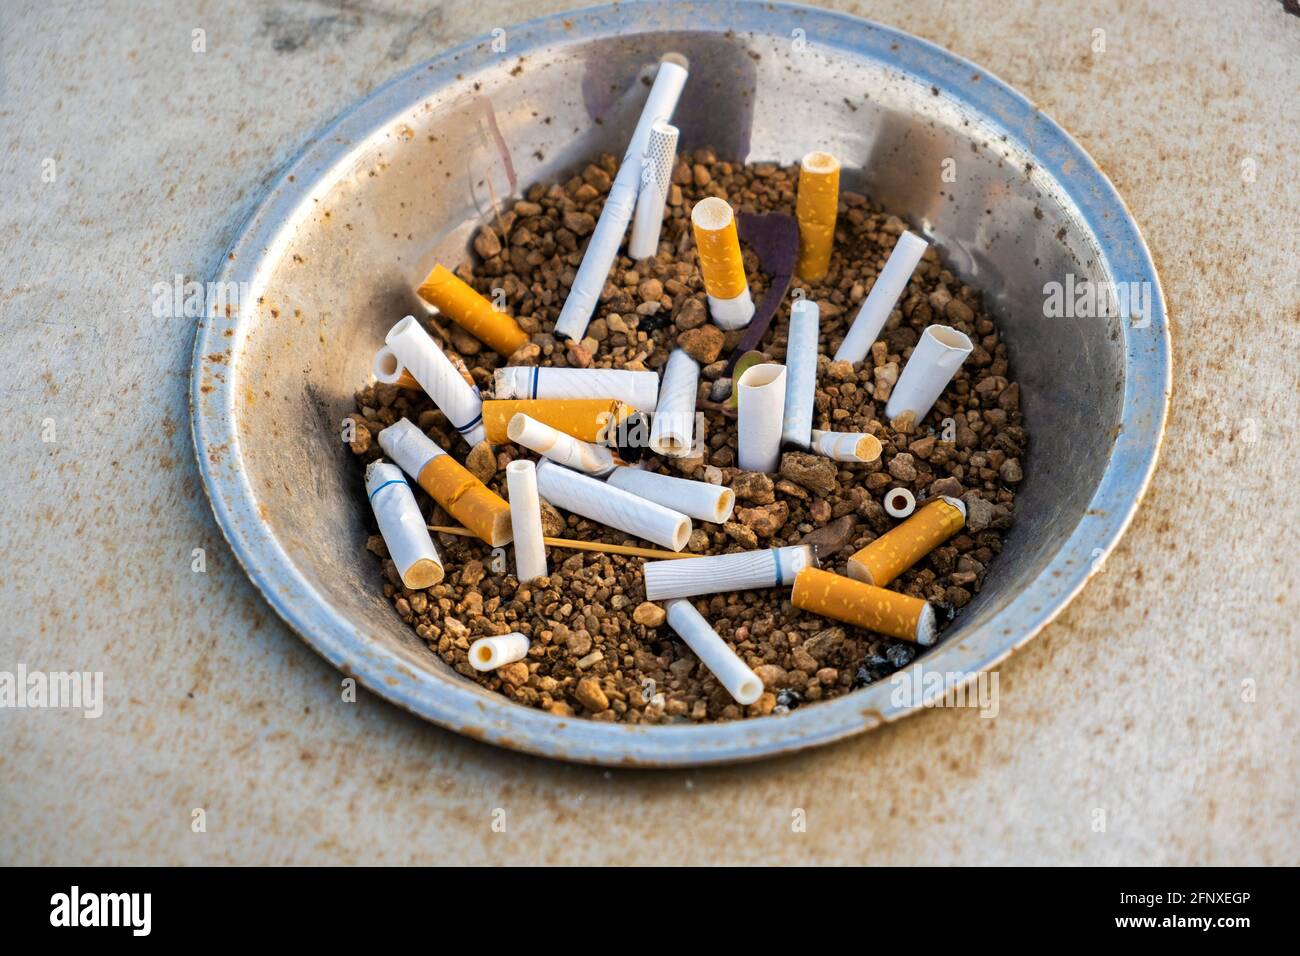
(402, 526)
(760, 399)
(721, 573)
(724, 663)
(526, 521)
(656, 178)
(409, 447)
(430, 366)
(934, 362)
(613, 507)
(602, 248)
(489, 653)
(673, 429)
(890, 284)
(638, 389)
(801, 361)
(846, 446)
(558, 447)
(696, 499)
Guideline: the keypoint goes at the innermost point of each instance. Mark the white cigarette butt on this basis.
(933, 363)
(559, 447)
(438, 376)
(697, 499)
(613, 507)
(724, 573)
(526, 521)
(402, 526)
(489, 653)
(760, 399)
(638, 389)
(725, 664)
(890, 284)
(672, 431)
(801, 360)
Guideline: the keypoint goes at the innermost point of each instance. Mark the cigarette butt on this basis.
(898, 549)
(458, 301)
(846, 446)
(439, 376)
(402, 526)
(389, 370)
(721, 264)
(864, 605)
(448, 482)
(638, 389)
(489, 653)
(588, 419)
(815, 208)
(526, 521)
(760, 404)
(935, 360)
(723, 662)
(558, 447)
(672, 433)
(801, 384)
(879, 303)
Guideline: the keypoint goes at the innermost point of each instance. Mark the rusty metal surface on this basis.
(1133, 701)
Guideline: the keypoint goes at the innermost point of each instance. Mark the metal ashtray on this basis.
(331, 258)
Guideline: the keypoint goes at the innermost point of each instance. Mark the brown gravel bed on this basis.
(598, 649)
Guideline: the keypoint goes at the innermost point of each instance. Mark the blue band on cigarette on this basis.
(390, 481)
(776, 559)
(470, 427)
(537, 371)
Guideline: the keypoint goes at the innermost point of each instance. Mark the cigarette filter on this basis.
(815, 208)
(890, 284)
(864, 605)
(463, 496)
(673, 430)
(526, 521)
(489, 653)
(696, 499)
(760, 399)
(902, 546)
(934, 362)
(458, 301)
(389, 371)
(602, 248)
(725, 664)
(801, 360)
(721, 264)
(613, 507)
(638, 389)
(722, 573)
(846, 446)
(899, 503)
(402, 526)
(438, 376)
(588, 419)
(656, 177)
(558, 447)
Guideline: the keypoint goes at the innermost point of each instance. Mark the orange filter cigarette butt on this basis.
(721, 264)
(448, 482)
(864, 605)
(459, 302)
(815, 209)
(898, 549)
(589, 419)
